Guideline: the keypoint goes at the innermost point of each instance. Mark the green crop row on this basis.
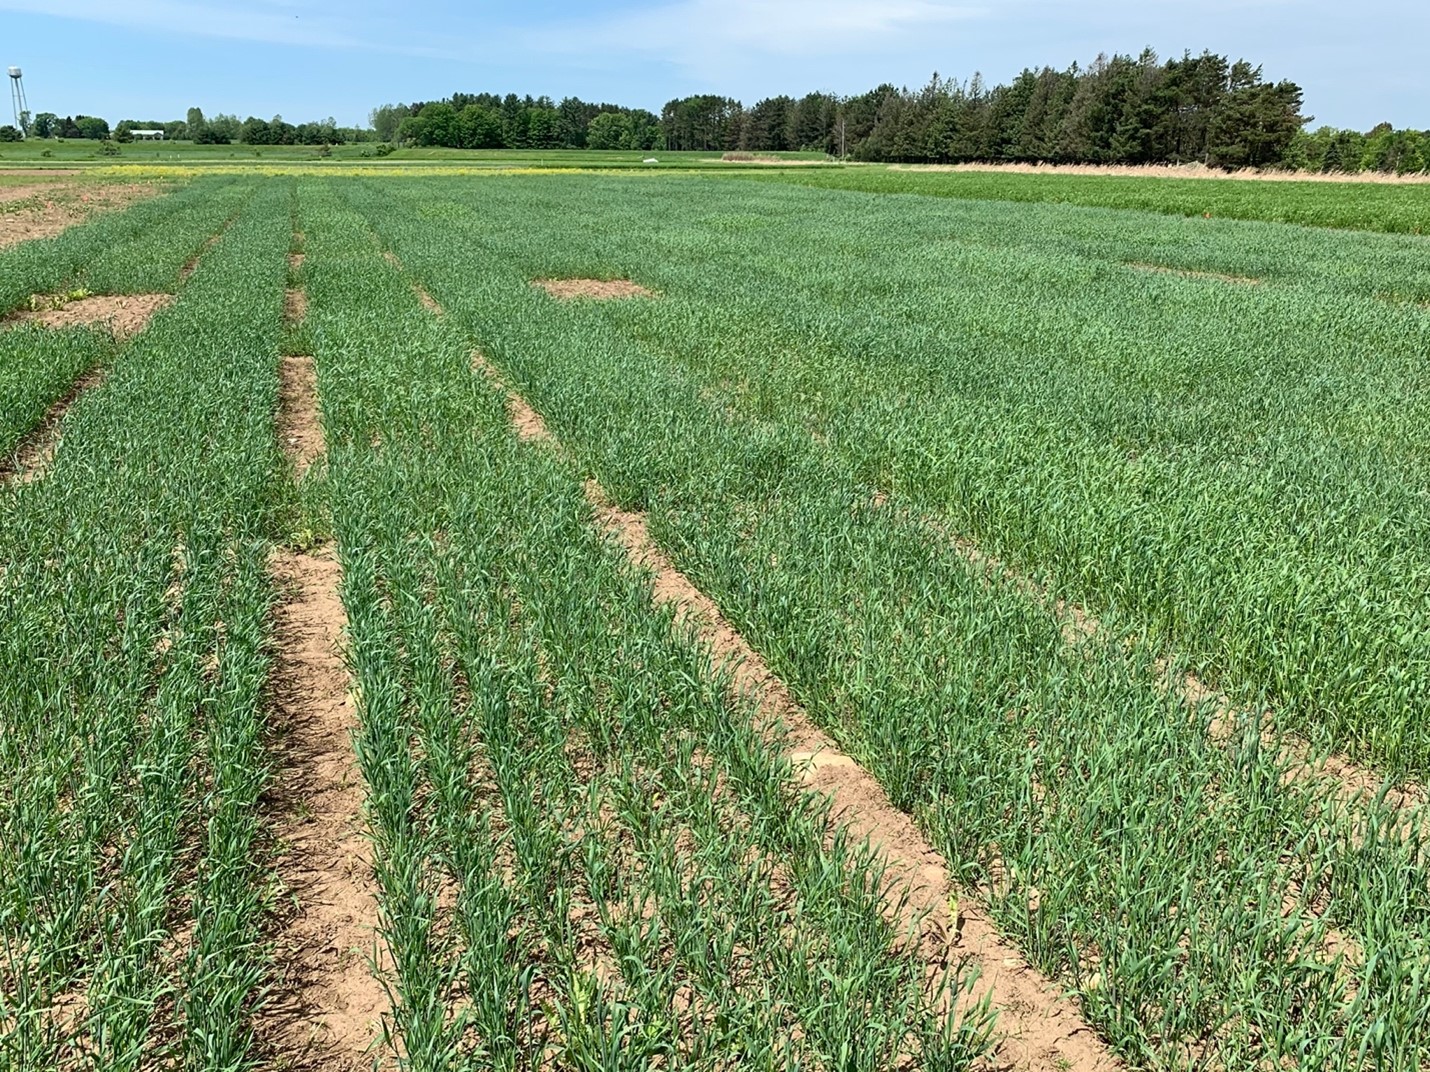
(586, 856)
(140, 250)
(37, 367)
(1236, 466)
(116, 254)
(1358, 206)
(133, 618)
(830, 388)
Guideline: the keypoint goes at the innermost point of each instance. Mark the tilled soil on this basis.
(299, 428)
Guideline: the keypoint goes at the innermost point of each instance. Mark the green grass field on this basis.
(1360, 206)
(79, 153)
(1096, 534)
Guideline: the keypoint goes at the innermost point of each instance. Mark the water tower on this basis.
(17, 98)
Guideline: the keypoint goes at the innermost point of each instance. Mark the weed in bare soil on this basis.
(123, 315)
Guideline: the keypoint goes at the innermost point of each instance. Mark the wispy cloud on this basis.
(707, 37)
(272, 22)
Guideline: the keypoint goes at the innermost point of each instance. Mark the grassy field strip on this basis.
(1035, 1027)
(1226, 720)
(192, 264)
(1189, 273)
(328, 1004)
(587, 858)
(1039, 769)
(138, 251)
(132, 886)
(1243, 456)
(37, 369)
(33, 453)
(1373, 207)
(1227, 724)
(32, 448)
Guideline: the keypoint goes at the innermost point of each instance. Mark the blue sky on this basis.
(1360, 63)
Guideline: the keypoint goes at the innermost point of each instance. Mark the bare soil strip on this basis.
(1038, 1029)
(124, 315)
(299, 429)
(36, 173)
(35, 453)
(328, 1011)
(295, 306)
(328, 1006)
(594, 289)
(1192, 273)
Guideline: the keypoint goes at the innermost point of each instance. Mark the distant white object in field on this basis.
(650, 160)
(148, 135)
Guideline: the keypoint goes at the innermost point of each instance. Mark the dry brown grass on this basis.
(596, 289)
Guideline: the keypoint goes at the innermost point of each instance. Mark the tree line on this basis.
(489, 121)
(1117, 110)
(219, 129)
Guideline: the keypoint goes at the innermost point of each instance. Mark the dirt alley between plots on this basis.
(328, 1005)
(1039, 1029)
